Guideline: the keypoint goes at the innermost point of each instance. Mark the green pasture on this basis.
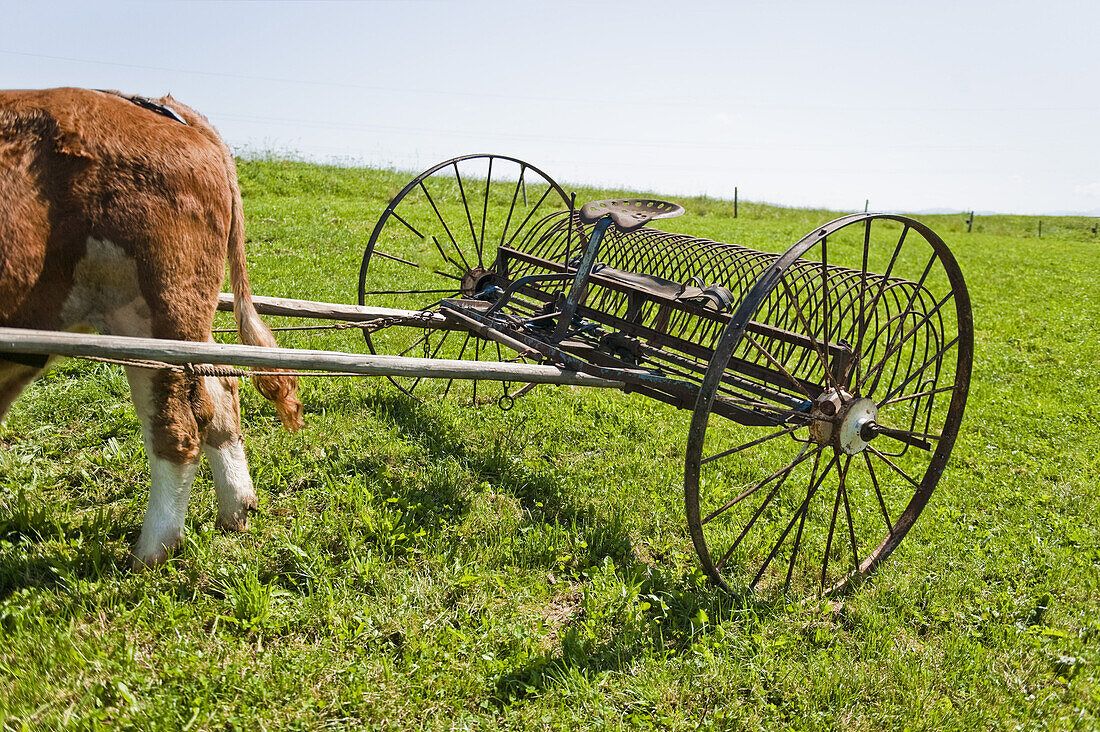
(429, 564)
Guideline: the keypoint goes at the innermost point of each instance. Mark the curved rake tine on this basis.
(890, 347)
(878, 294)
(810, 333)
(917, 395)
(920, 370)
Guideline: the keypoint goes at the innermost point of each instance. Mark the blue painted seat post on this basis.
(580, 280)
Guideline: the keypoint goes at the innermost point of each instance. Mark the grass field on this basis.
(428, 565)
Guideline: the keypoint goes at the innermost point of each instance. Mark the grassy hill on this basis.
(429, 565)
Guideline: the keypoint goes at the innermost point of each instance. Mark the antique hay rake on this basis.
(827, 382)
(840, 366)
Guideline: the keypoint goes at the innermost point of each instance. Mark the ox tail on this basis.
(280, 388)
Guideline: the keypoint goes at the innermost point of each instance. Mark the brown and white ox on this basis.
(117, 215)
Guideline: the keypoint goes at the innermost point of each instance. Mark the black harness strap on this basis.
(146, 103)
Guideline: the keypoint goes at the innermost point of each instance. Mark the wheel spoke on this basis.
(878, 294)
(848, 513)
(810, 333)
(529, 215)
(802, 455)
(477, 357)
(469, 216)
(771, 359)
(480, 242)
(920, 370)
(801, 525)
(780, 414)
(512, 206)
(825, 334)
(408, 292)
(784, 474)
(434, 353)
(893, 466)
(397, 259)
(832, 524)
(445, 256)
(754, 443)
(810, 491)
(501, 359)
(917, 395)
(422, 339)
(878, 492)
(408, 226)
(854, 363)
(904, 315)
(445, 228)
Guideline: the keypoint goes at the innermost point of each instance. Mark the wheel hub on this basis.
(843, 421)
(471, 281)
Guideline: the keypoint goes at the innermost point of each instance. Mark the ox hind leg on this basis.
(165, 403)
(183, 417)
(223, 446)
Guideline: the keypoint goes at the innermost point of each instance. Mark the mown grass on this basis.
(432, 566)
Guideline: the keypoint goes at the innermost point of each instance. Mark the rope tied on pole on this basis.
(208, 369)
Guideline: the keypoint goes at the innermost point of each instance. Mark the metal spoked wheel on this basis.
(862, 341)
(438, 239)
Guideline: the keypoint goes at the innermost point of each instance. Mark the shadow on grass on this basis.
(678, 614)
(541, 493)
(65, 551)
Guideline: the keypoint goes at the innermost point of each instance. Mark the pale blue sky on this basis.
(914, 105)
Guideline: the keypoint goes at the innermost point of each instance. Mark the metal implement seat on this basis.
(626, 215)
(629, 214)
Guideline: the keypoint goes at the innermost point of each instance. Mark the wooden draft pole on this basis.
(78, 345)
(334, 311)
